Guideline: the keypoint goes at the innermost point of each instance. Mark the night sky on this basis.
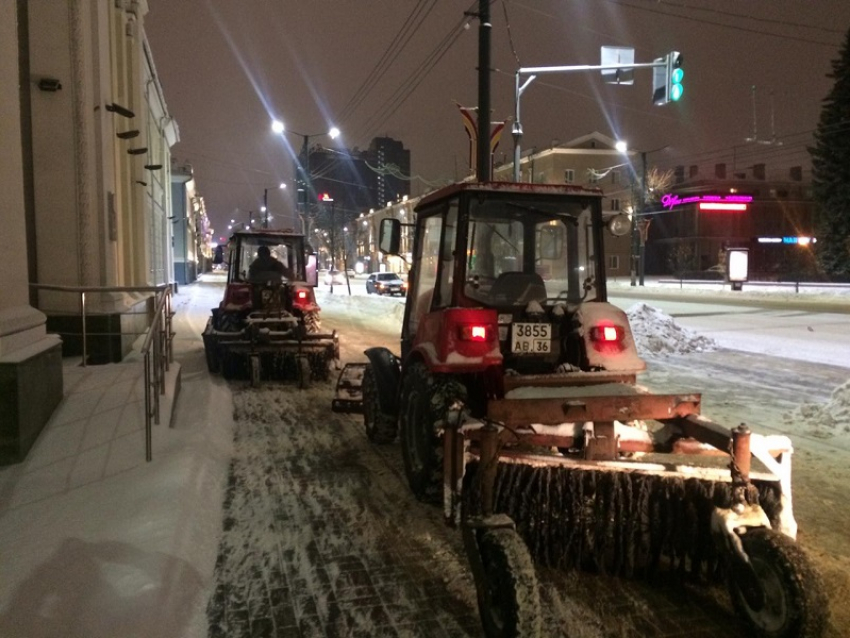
(397, 68)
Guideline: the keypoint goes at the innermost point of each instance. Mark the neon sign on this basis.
(708, 202)
(800, 241)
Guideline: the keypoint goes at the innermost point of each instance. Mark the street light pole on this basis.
(643, 220)
(305, 176)
(639, 230)
(304, 167)
(333, 242)
(266, 204)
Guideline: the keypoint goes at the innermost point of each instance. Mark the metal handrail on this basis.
(158, 340)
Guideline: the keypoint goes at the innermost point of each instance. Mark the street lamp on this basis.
(266, 204)
(304, 180)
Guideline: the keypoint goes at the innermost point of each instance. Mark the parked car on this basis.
(337, 277)
(385, 283)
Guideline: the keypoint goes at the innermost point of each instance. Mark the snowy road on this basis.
(322, 522)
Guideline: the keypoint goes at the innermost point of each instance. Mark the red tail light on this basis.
(606, 334)
(302, 297)
(473, 332)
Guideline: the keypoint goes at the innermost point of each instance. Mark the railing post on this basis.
(148, 429)
(83, 320)
(169, 346)
(158, 384)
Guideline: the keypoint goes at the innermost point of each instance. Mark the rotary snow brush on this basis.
(619, 522)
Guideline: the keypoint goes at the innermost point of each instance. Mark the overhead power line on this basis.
(412, 23)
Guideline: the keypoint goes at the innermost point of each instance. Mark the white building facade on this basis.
(86, 182)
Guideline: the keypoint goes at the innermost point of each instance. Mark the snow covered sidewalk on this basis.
(94, 541)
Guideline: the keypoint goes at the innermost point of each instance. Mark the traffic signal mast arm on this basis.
(666, 86)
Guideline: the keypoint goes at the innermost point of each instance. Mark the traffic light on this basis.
(667, 76)
(675, 75)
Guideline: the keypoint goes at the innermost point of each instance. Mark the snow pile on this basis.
(826, 420)
(655, 332)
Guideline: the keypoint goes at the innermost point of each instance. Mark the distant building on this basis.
(353, 182)
(700, 218)
(189, 226)
(359, 180)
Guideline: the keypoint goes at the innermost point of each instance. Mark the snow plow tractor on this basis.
(267, 326)
(515, 401)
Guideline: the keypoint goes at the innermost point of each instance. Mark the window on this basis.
(615, 177)
(424, 285)
(592, 176)
(569, 176)
(613, 262)
(615, 204)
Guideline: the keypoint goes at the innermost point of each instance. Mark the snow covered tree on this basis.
(831, 171)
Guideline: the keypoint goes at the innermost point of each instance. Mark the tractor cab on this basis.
(513, 261)
(267, 326)
(268, 269)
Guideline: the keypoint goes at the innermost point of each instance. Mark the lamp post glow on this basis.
(304, 180)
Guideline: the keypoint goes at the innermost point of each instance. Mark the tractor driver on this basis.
(266, 267)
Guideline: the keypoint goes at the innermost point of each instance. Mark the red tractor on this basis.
(515, 401)
(267, 326)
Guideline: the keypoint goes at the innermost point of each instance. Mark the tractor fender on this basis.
(387, 369)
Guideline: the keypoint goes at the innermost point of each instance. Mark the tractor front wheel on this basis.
(380, 428)
(425, 401)
(793, 601)
(508, 602)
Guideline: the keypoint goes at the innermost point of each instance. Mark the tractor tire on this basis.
(312, 323)
(424, 402)
(795, 603)
(211, 350)
(380, 428)
(510, 605)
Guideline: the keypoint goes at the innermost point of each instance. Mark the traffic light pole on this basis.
(533, 71)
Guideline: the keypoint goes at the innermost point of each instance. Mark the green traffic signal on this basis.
(676, 74)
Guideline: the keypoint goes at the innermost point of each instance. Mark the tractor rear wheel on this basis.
(795, 603)
(424, 403)
(380, 428)
(508, 602)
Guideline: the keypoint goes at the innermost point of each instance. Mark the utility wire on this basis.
(415, 77)
(510, 35)
(732, 14)
(628, 5)
(394, 49)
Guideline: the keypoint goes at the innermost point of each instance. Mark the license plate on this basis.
(531, 338)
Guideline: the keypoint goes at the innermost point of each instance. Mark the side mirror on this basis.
(390, 236)
(619, 225)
